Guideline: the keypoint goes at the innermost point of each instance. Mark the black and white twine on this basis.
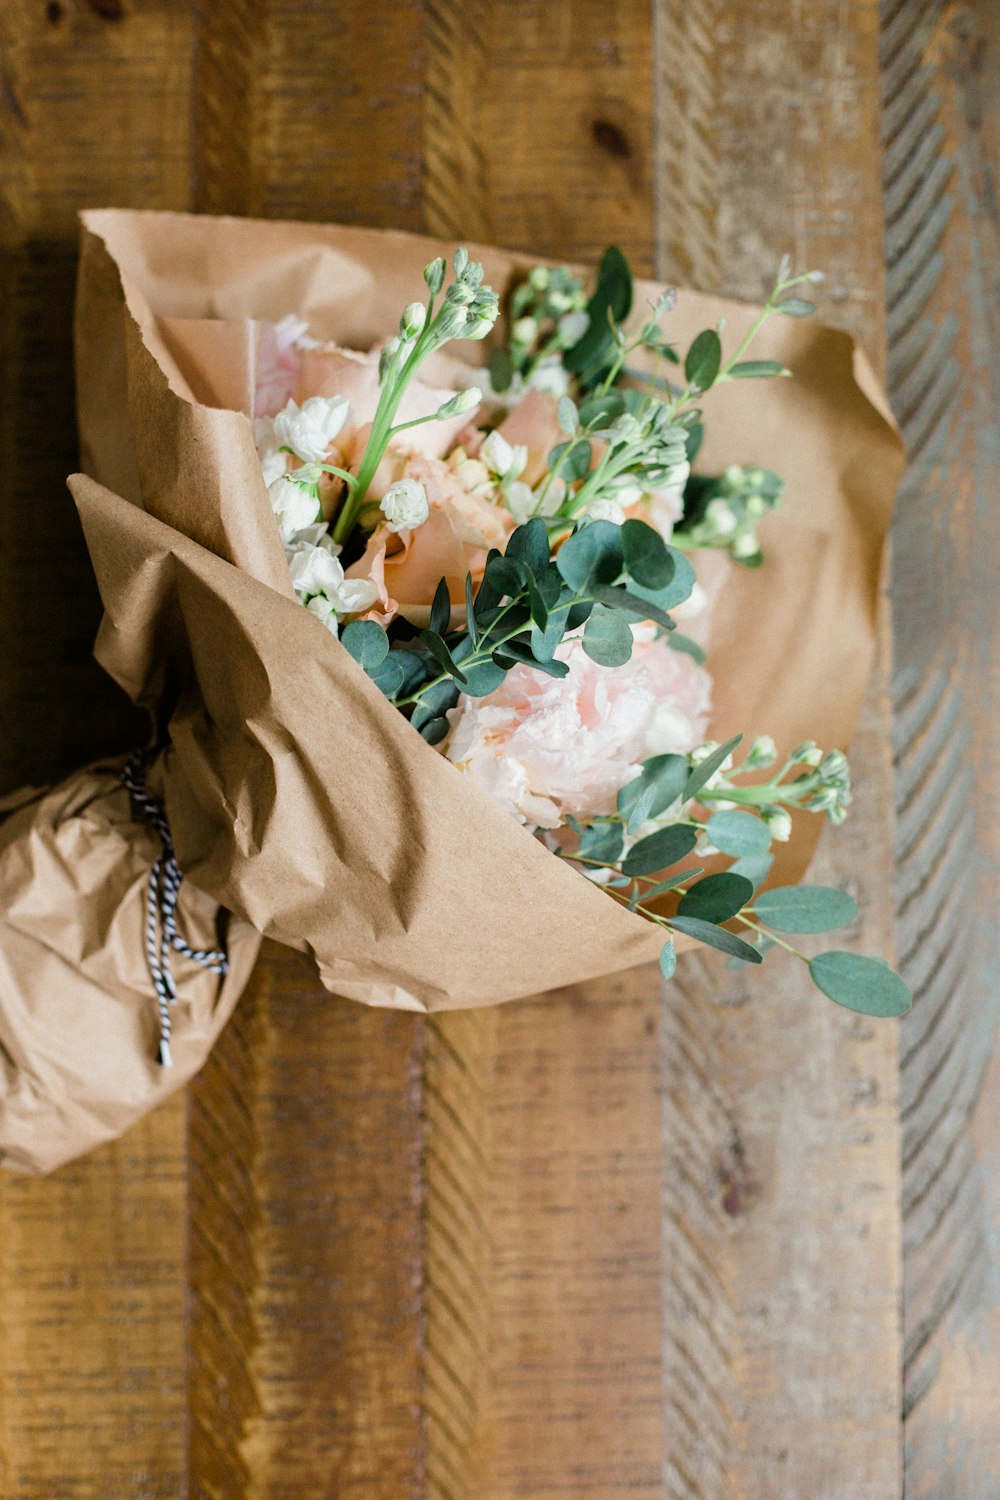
(165, 878)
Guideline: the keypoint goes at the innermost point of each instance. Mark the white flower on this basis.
(412, 322)
(324, 611)
(310, 429)
(779, 824)
(721, 516)
(315, 570)
(505, 460)
(521, 501)
(272, 465)
(294, 506)
(551, 376)
(356, 595)
(606, 510)
(404, 505)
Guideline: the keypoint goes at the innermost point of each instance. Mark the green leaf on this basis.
(388, 676)
(505, 575)
(441, 609)
(501, 368)
(612, 294)
(591, 556)
(603, 842)
(716, 937)
(689, 647)
(601, 409)
(434, 730)
(571, 460)
(415, 669)
(757, 369)
(607, 638)
(704, 360)
(795, 307)
(433, 703)
(862, 984)
(519, 653)
(530, 544)
(483, 678)
(805, 908)
(668, 959)
(660, 850)
(706, 769)
(623, 600)
(663, 886)
(436, 645)
(738, 833)
(763, 945)
(676, 592)
(660, 782)
(716, 898)
(567, 415)
(694, 440)
(470, 612)
(367, 642)
(646, 556)
(756, 868)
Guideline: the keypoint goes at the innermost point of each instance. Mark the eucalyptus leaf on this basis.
(388, 675)
(704, 360)
(738, 833)
(860, 983)
(796, 307)
(716, 937)
(367, 642)
(805, 908)
(658, 851)
(685, 644)
(441, 609)
(501, 370)
(717, 898)
(434, 731)
(470, 612)
(675, 592)
(603, 842)
(755, 867)
(433, 703)
(530, 544)
(607, 638)
(623, 600)
(762, 945)
(567, 415)
(706, 769)
(647, 558)
(660, 782)
(483, 678)
(668, 959)
(757, 369)
(591, 556)
(438, 648)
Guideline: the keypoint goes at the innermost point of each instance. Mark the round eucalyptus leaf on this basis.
(860, 983)
(738, 833)
(805, 908)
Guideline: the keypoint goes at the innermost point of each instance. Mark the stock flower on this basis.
(295, 507)
(310, 429)
(354, 377)
(404, 505)
(545, 747)
(317, 574)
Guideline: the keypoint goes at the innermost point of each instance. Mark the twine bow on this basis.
(165, 878)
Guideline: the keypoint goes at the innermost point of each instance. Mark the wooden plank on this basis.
(94, 107)
(780, 1196)
(543, 1157)
(306, 1232)
(941, 97)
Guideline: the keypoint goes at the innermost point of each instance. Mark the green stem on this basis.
(764, 932)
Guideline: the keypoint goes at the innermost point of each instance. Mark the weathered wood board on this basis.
(609, 1242)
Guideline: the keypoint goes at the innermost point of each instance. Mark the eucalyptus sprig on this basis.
(639, 854)
(604, 579)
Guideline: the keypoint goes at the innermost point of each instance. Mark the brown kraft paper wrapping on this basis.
(299, 798)
(79, 1024)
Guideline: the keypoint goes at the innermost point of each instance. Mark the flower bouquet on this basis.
(497, 636)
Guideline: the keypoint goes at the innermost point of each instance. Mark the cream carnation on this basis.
(545, 747)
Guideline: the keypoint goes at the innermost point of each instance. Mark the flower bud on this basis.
(807, 754)
(779, 823)
(539, 278)
(497, 454)
(434, 274)
(404, 505)
(411, 324)
(461, 260)
(461, 402)
(762, 752)
(525, 331)
(388, 353)
(521, 501)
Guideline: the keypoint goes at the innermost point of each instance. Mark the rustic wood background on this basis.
(616, 1242)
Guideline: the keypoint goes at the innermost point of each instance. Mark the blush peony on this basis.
(545, 747)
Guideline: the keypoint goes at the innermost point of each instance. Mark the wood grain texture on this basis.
(780, 1191)
(941, 94)
(93, 108)
(593, 1244)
